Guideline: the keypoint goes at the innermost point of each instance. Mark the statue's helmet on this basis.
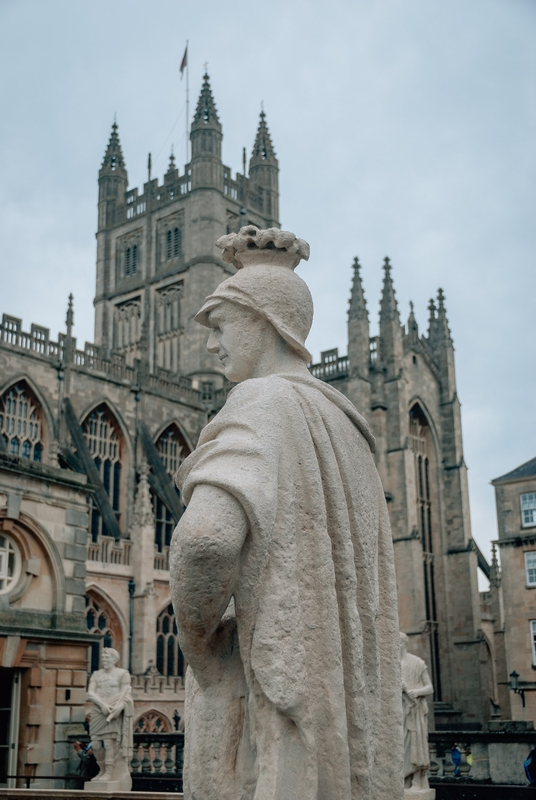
(266, 282)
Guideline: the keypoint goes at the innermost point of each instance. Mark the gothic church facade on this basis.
(91, 438)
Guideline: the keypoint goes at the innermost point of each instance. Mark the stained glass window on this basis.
(21, 423)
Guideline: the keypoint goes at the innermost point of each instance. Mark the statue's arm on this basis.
(205, 559)
(427, 688)
(120, 704)
(95, 698)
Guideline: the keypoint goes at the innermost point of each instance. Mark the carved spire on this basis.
(206, 137)
(113, 162)
(69, 321)
(206, 114)
(495, 570)
(143, 511)
(443, 330)
(388, 304)
(263, 150)
(358, 304)
(358, 326)
(391, 331)
(264, 174)
(413, 328)
(171, 167)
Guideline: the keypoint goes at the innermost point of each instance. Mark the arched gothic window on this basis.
(102, 620)
(104, 442)
(131, 259)
(173, 450)
(176, 241)
(169, 658)
(153, 722)
(21, 423)
(423, 448)
(169, 245)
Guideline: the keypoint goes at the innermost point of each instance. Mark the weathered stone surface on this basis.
(282, 565)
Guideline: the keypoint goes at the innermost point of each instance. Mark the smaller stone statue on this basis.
(110, 724)
(416, 686)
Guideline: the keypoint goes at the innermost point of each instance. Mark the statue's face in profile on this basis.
(238, 336)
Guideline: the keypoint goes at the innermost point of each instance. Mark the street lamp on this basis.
(514, 681)
(520, 687)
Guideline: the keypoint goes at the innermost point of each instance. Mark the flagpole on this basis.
(187, 101)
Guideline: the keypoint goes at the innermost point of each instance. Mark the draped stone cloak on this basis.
(416, 753)
(120, 728)
(315, 713)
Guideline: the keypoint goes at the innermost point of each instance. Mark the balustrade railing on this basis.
(158, 754)
(161, 559)
(327, 370)
(108, 551)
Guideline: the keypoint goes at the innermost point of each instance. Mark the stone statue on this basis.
(110, 724)
(416, 686)
(282, 570)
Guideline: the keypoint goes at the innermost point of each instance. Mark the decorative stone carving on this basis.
(110, 725)
(282, 569)
(416, 686)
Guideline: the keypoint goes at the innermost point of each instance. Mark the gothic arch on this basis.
(182, 430)
(163, 606)
(153, 721)
(416, 400)
(47, 429)
(116, 414)
(169, 657)
(47, 544)
(427, 466)
(108, 443)
(114, 621)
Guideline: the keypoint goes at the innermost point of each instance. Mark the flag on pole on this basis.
(184, 62)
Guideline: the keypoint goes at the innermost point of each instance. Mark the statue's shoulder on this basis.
(261, 390)
(416, 661)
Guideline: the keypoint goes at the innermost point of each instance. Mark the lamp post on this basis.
(520, 687)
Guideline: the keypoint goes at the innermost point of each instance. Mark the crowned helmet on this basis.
(266, 282)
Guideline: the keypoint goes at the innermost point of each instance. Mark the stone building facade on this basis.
(90, 439)
(515, 496)
(404, 383)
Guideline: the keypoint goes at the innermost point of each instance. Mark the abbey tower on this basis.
(156, 258)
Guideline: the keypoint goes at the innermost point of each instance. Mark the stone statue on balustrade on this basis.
(282, 569)
(416, 687)
(110, 725)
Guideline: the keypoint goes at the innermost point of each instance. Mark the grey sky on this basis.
(403, 128)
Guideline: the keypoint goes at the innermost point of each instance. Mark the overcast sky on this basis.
(402, 127)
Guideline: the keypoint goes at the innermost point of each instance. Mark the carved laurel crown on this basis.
(271, 247)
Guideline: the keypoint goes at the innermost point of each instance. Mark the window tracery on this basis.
(104, 443)
(169, 657)
(173, 449)
(153, 722)
(128, 328)
(423, 448)
(21, 423)
(168, 326)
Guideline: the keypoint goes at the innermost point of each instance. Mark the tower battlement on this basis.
(156, 257)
